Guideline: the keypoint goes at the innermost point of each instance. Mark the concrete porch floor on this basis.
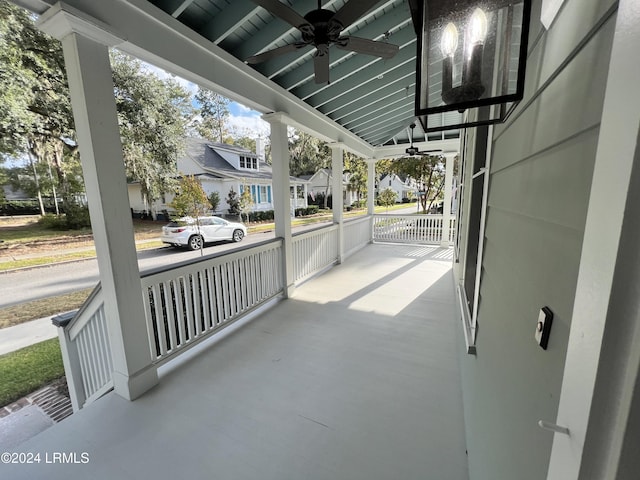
(355, 377)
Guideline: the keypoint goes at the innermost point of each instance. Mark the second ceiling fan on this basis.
(412, 151)
(322, 28)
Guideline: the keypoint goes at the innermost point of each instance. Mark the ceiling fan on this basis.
(413, 151)
(321, 28)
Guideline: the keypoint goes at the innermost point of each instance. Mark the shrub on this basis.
(76, 218)
(214, 200)
(53, 222)
(261, 216)
(24, 207)
(310, 210)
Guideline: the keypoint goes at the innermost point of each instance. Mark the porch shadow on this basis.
(324, 385)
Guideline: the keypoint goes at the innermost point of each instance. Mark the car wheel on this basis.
(195, 242)
(237, 235)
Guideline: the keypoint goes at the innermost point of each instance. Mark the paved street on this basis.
(32, 284)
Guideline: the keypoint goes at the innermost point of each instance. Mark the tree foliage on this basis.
(428, 171)
(214, 113)
(214, 200)
(307, 154)
(357, 174)
(190, 199)
(387, 197)
(234, 202)
(245, 202)
(35, 110)
(36, 117)
(152, 114)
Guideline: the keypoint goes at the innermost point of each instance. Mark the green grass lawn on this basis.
(28, 369)
(44, 307)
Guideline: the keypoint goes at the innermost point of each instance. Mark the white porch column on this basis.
(91, 86)
(446, 206)
(371, 186)
(337, 168)
(281, 192)
(306, 194)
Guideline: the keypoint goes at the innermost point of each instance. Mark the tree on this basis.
(387, 197)
(307, 154)
(191, 201)
(428, 172)
(152, 114)
(35, 111)
(246, 142)
(214, 200)
(234, 202)
(36, 117)
(214, 110)
(357, 169)
(245, 203)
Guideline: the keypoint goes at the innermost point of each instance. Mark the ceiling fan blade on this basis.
(282, 11)
(269, 54)
(368, 47)
(352, 11)
(321, 68)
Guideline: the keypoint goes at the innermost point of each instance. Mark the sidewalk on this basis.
(20, 336)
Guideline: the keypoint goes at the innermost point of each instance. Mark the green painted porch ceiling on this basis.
(371, 97)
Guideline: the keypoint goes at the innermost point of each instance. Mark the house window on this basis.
(253, 194)
(262, 194)
(473, 193)
(248, 162)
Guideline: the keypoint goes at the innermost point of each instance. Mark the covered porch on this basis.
(355, 376)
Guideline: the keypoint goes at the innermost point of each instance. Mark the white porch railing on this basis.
(186, 304)
(86, 351)
(411, 228)
(452, 230)
(313, 251)
(357, 234)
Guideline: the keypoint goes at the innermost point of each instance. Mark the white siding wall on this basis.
(541, 170)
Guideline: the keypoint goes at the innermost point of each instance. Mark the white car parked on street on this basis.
(185, 232)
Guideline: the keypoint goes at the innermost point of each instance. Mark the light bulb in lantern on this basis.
(449, 41)
(477, 29)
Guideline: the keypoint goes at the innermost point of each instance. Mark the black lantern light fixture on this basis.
(471, 61)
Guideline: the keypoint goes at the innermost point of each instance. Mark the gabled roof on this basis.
(205, 153)
(327, 172)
